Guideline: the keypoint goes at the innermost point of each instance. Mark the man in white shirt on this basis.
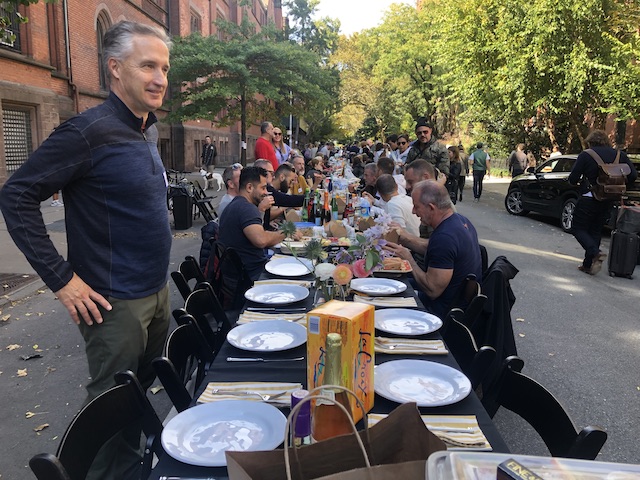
(399, 207)
(231, 179)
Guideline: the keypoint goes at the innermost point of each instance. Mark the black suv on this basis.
(548, 192)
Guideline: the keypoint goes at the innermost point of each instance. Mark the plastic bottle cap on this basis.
(303, 421)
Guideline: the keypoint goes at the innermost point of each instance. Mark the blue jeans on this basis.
(589, 217)
(478, 177)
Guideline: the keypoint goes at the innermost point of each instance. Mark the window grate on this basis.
(18, 144)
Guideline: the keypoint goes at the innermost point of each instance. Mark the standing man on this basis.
(209, 155)
(264, 145)
(114, 280)
(428, 148)
(517, 161)
(590, 214)
(481, 166)
(452, 252)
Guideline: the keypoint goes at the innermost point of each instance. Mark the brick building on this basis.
(51, 71)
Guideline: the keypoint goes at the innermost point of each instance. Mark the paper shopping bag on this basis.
(405, 471)
(400, 437)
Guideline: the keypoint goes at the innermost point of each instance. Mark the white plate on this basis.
(276, 294)
(200, 435)
(429, 384)
(378, 286)
(289, 267)
(404, 321)
(267, 336)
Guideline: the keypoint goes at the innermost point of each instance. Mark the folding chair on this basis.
(188, 271)
(102, 418)
(202, 204)
(535, 404)
(473, 361)
(233, 279)
(186, 354)
(210, 316)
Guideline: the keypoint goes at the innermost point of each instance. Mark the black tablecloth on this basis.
(295, 371)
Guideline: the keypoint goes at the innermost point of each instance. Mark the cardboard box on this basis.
(355, 322)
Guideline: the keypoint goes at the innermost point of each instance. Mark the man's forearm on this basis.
(415, 244)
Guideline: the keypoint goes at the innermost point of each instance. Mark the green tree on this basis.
(9, 9)
(317, 35)
(240, 78)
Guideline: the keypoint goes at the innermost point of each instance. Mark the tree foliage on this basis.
(243, 77)
(10, 7)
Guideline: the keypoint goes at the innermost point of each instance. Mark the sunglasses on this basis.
(277, 133)
(237, 166)
(402, 143)
(423, 132)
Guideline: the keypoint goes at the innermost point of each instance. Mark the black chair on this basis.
(98, 421)
(232, 280)
(186, 354)
(535, 404)
(210, 316)
(469, 302)
(202, 204)
(188, 272)
(473, 361)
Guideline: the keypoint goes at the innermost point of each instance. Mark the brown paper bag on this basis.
(404, 471)
(392, 236)
(341, 205)
(338, 229)
(366, 223)
(292, 215)
(401, 437)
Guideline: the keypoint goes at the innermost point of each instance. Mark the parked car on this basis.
(547, 191)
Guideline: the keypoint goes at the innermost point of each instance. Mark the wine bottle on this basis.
(326, 210)
(311, 209)
(318, 209)
(348, 210)
(328, 420)
(334, 208)
(304, 213)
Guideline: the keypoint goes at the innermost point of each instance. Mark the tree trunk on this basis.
(243, 129)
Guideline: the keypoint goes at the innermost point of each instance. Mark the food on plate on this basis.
(395, 263)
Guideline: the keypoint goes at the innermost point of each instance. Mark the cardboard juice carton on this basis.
(355, 323)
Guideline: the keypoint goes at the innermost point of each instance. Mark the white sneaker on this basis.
(57, 203)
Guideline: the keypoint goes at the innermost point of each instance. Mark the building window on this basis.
(11, 37)
(101, 28)
(196, 22)
(18, 142)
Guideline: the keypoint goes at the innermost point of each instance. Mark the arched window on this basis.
(102, 25)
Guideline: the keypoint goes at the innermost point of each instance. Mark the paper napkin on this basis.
(248, 317)
(410, 346)
(386, 301)
(227, 391)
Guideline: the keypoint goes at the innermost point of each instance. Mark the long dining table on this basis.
(295, 371)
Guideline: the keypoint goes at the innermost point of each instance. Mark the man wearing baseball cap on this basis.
(428, 148)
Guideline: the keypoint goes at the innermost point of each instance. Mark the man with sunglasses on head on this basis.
(428, 148)
(231, 179)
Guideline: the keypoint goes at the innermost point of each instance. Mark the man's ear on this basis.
(114, 68)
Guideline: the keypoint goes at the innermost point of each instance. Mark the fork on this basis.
(265, 397)
(393, 346)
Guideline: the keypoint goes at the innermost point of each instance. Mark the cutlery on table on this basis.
(238, 393)
(415, 346)
(258, 359)
(470, 430)
(277, 310)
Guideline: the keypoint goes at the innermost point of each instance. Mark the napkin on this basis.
(278, 281)
(241, 387)
(247, 317)
(386, 301)
(410, 346)
(472, 439)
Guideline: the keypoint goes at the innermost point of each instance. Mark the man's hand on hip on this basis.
(80, 300)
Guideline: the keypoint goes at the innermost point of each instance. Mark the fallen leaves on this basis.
(22, 372)
(519, 319)
(32, 414)
(521, 335)
(156, 389)
(29, 357)
(5, 318)
(13, 346)
(39, 428)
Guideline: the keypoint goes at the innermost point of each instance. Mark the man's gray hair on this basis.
(264, 126)
(118, 39)
(430, 191)
(386, 184)
(262, 163)
(371, 166)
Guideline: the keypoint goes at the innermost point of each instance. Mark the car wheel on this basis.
(513, 203)
(566, 217)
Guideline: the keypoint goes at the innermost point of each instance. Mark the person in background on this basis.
(282, 149)
(428, 148)
(231, 179)
(481, 166)
(403, 151)
(451, 253)
(555, 152)
(315, 170)
(392, 143)
(281, 199)
(299, 185)
(209, 155)
(517, 161)
(464, 161)
(531, 162)
(357, 166)
(590, 214)
(55, 200)
(399, 207)
(378, 151)
(264, 148)
(455, 168)
(114, 280)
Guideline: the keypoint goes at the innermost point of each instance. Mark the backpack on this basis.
(611, 183)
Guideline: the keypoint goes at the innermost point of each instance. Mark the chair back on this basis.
(104, 416)
(209, 315)
(234, 280)
(473, 361)
(191, 270)
(540, 408)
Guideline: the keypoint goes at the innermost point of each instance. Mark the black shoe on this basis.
(460, 197)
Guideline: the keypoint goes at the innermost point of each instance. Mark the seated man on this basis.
(241, 222)
(299, 185)
(280, 197)
(399, 207)
(231, 179)
(452, 251)
(387, 166)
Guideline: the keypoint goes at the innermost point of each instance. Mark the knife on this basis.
(278, 310)
(251, 359)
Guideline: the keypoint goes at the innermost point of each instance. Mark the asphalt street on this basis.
(578, 335)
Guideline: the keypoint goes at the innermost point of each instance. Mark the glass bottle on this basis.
(318, 209)
(328, 420)
(326, 210)
(304, 213)
(334, 207)
(311, 212)
(301, 434)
